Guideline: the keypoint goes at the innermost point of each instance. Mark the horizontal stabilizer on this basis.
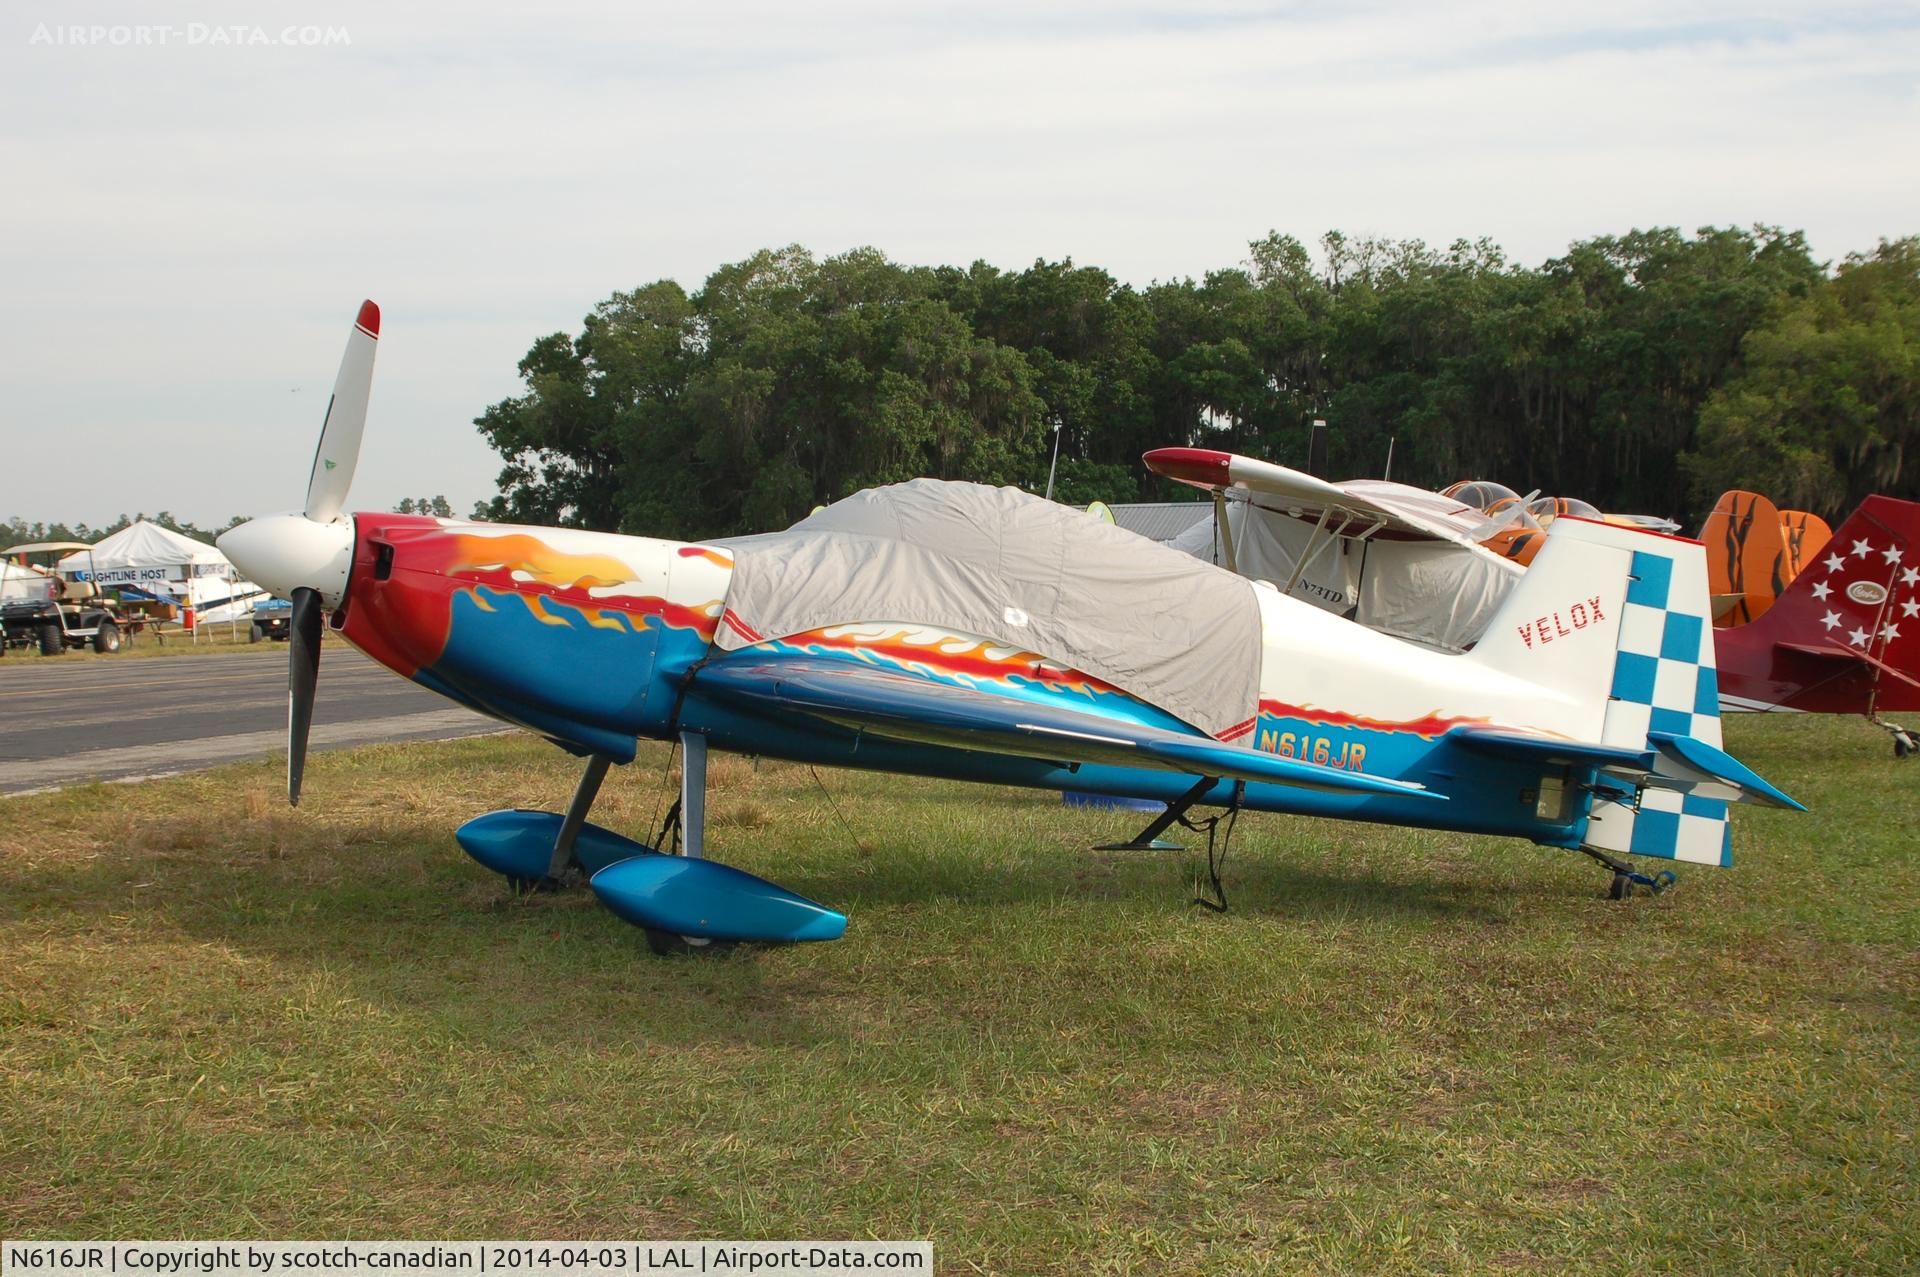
(916, 709)
(1548, 749)
(1683, 763)
(1849, 655)
(1711, 772)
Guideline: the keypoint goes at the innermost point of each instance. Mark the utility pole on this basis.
(1317, 449)
(1056, 458)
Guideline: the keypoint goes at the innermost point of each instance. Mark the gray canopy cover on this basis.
(1026, 572)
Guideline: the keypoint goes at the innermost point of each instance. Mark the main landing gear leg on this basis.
(692, 815)
(693, 794)
(1626, 877)
(1148, 839)
(562, 868)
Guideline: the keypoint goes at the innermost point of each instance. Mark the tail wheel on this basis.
(667, 944)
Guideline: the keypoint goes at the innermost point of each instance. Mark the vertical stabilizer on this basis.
(1665, 684)
(1617, 621)
(1748, 562)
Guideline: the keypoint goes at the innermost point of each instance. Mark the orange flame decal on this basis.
(536, 573)
(1431, 725)
(535, 558)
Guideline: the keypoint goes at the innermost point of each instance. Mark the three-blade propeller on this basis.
(305, 556)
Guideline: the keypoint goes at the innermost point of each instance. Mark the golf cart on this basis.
(73, 613)
(272, 619)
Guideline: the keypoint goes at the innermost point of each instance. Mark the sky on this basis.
(195, 197)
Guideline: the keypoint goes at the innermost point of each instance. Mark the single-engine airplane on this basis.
(1804, 623)
(956, 630)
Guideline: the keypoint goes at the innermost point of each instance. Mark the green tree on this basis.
(784, 382)
(1827, 405)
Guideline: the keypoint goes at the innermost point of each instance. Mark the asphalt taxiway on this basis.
(68, 720)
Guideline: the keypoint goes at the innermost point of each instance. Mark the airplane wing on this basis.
(1392, 508)
(903, 707)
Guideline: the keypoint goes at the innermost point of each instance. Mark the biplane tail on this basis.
(1617, 621)
(1749, 558)
(1850, 619)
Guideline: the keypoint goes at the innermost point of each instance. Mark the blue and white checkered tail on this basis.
(1664, 686)
(1610, 626)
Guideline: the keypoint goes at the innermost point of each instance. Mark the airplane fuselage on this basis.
(595, 640)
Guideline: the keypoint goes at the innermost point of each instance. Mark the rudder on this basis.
(1664, 681)
(1747, 557)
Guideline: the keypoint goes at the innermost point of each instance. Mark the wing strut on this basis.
(1300, 564)
(1225, 529)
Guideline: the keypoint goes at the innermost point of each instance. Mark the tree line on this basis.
(1645, 372)
(18, 531)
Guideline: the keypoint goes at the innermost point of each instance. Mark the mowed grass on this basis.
(1399, 1052)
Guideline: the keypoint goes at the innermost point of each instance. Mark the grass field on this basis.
(1400, 1052)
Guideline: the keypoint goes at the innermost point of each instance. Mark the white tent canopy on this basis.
(146, 556)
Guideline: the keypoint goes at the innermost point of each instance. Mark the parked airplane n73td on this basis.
(955, 630)
(1804, 623)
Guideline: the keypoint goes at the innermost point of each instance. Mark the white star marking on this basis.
(1910, 608)
(1834, 562)
(1910, 576)
(1889, 632)
(1821, 589)
(1858, 638)
(1831, 620)
(1891, 554)
(1862, 549)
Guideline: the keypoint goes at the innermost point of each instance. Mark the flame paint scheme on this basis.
(1599, 736)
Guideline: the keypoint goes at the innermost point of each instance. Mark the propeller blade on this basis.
(339, 450)
(303, 673)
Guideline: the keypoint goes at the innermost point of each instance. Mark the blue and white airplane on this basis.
(982, 634)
